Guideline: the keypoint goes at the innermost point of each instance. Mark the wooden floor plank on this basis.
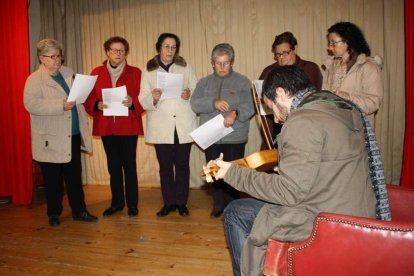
(116, 245)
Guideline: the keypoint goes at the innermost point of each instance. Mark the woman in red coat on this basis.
(119, 133)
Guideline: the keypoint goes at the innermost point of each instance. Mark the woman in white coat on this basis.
(169, 123)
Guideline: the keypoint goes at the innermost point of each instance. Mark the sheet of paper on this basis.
(264, 110)
(170, 84)
(210, 132)
(113, 98)
(81, 87)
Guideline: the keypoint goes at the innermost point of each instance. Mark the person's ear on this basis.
(280, 93)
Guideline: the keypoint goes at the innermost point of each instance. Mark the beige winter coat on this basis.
(168, 114)
(323, 168)
(51, 125)
(362, 84)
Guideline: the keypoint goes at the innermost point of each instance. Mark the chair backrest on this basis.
(401, 203)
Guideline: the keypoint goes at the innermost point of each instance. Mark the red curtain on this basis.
(15, 148)
(407, 172)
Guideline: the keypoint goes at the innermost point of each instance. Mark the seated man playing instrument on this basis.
(329, 161)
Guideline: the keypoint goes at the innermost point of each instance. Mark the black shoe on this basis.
(166, 209)
(215, 214)
(54, 221)
(84, 216)
(111, 210)
(183, 210)
(132, 212)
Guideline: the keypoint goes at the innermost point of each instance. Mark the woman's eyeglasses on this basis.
(55, 57)
(117, 51)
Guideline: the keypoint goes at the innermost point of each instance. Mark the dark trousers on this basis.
(121, 154)
(223, 193)
(56, 175)
(174, 158)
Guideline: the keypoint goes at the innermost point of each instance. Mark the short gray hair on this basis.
(47, 44)
(222, 49)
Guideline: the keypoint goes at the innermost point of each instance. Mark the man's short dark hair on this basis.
(286, 37)
(290, 77)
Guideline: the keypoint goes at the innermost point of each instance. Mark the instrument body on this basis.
(264, 161)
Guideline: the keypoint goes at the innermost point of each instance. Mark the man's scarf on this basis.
(376, 168)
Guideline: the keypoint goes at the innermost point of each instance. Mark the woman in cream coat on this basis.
(351, 73)
(59, 131)
(169, 123)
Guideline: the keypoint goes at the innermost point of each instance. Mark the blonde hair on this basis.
(47, 44)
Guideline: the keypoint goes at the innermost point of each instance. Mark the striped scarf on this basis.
(376, 168)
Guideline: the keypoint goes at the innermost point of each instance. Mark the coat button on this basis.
(174, 116)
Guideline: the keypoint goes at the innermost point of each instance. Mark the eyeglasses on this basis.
(282, 54)
(333, 43)
(222, 64)
(55, 57)
(117, 51)
(170, 47)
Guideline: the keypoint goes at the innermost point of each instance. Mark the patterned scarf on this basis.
(376, 168)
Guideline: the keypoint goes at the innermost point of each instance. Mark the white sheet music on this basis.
(170, 84)
(264, 110)
(112, 98)
(210, 132)
(81, 87)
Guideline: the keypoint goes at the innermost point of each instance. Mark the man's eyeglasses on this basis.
(170, 47)
(333, 43)
(117, 51)
(282, 54)
(55, 57)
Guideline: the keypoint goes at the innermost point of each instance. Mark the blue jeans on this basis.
(239, 217)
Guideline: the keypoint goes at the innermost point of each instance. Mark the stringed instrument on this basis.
(264, 160)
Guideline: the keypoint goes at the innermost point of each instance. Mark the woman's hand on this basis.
(185, 95)
(127, 102)
(156, 95)
(68, 105)
(101, 106)
(230, 118)
(221, 105)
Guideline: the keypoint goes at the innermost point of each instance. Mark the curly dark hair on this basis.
(286, 37)
(353, 36)
(116, 39)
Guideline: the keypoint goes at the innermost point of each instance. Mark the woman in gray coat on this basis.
(228, 93)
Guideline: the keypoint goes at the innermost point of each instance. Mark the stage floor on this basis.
(116, 245)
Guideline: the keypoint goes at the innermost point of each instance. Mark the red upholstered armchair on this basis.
(348, 245)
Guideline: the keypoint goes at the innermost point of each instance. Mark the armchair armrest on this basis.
(346, 245)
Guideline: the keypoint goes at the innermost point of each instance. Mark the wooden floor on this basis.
(116, 245)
